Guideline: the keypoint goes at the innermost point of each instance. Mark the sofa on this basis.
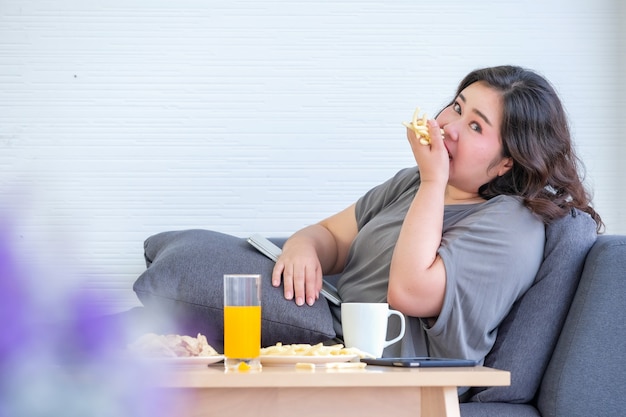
(586, 372)
(562, 341)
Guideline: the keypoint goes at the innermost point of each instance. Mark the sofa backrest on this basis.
(527, 336)
(587, 373)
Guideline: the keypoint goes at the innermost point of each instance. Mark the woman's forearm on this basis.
(317, 238)
(312, 252)
(331, 239)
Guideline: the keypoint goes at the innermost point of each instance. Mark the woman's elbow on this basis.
(395, 299)
(416, 302)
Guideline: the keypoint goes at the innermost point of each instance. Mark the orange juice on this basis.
(242, 331)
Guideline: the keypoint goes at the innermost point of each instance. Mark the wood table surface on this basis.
(277, 391)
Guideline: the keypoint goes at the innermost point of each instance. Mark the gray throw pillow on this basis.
(527, 336)
(184, 279)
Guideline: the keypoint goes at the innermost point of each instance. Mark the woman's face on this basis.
(472, 136)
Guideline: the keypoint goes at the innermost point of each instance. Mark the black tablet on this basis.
(421, 362)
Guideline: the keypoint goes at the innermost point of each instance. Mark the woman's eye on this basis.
(456, 107)
(476, 127)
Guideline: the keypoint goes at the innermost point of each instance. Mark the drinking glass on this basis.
(242, 322)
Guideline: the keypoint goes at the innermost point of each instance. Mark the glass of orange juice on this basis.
(242, 322)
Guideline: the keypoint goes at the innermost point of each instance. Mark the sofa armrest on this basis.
(587, 372)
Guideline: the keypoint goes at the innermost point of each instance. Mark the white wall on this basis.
(120, 119)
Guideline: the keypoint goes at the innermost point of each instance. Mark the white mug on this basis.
(365, 326)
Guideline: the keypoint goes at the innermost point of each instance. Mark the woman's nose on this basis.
(449, 132)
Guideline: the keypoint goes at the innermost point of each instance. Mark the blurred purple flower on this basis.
(73, 367)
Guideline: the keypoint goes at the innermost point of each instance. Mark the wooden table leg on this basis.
(440, 401)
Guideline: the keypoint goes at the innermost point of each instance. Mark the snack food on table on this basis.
(419, 125)
(304, 349)
(305, 366)
(172, 346)
(346, 365)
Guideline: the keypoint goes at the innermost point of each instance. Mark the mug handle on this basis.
(402, 327)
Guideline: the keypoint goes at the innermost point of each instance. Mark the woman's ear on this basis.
(505, 166)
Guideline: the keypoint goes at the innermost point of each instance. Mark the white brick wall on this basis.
(120, 119)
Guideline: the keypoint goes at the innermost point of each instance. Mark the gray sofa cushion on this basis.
(585, 376)
(184, 279)
(529, 333)
(498, 410)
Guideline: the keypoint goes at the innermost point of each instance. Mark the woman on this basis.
(455, 241)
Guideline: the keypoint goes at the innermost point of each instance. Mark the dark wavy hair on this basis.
(535, 133)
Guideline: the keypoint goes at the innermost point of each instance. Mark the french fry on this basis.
(310, 350)
(346, 365)
(305, 366)
(420, 127)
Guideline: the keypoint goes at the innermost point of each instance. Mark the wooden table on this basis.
(279, 391)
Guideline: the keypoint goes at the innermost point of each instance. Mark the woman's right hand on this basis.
(432, 160)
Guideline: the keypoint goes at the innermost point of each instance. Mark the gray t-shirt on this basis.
(491, 252)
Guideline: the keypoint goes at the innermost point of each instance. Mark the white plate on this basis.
(188, 360)
(291, 360)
